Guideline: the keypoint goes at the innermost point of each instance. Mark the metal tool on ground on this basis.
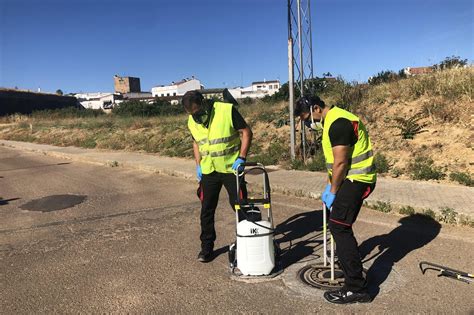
(321, 275)
(255, 252)
(447, 272)
(325, 240)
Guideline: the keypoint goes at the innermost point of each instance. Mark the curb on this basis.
(186, 172)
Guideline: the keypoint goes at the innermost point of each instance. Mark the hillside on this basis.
(436, 109)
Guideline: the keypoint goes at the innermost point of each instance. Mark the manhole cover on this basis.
(318, 276)
(53, 203)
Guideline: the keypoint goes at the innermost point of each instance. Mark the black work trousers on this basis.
(211, 185)
(344, 212)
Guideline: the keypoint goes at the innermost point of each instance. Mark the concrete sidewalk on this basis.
(417, 194)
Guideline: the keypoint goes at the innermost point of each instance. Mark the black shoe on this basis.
(205, 255)
(344, 296)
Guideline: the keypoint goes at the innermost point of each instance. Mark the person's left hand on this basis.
(328, 199)
(237, 164)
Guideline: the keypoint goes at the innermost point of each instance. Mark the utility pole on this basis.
(290, 86)
(300, 59)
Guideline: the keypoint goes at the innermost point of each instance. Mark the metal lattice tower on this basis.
(300, 60)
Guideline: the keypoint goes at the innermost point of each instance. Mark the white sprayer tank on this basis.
(255, 249)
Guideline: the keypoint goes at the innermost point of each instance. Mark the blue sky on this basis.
(78, 45)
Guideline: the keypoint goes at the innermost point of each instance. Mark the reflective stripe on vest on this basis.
(202, 141)
(225, 139)
(217, 141)
(357, 159)
(358, 171)
(221, 153)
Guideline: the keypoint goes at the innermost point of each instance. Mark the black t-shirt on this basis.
(343, 132)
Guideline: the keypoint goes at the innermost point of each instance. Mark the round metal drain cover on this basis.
(53, 203)
(318, 276)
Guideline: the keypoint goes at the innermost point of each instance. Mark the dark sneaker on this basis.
(344, 296)
(205, 255)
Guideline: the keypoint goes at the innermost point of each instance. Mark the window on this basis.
(162, 95)
(271, 87)
(174, 94)
(168, 94)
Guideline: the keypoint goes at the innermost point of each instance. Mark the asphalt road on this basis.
(130, 245)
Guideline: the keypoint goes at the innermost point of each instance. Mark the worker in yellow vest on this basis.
(222, 140)
(351, 172)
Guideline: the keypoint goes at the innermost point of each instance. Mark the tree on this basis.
(451, 62)
(59, 92)
(327, 75)
(383, 77)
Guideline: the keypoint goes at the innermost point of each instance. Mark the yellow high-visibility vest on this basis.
(219, 144)
(361, 167)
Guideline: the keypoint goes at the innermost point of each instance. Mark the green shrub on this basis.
(448, 215)
(24, 125)
(385, 77)
(466, 220)
(144, 109)
(381, 163)
(275, 152)
(462, 178)
(89, 143)
(396, 172)
(382, 206)
(246, 101)
(422, 169)
(407, 210)
(317, 163)
(409, 127)
(429, 213)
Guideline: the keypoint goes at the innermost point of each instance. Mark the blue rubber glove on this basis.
(198, 172)
(328, 199)
(326, 191)
(237, 164)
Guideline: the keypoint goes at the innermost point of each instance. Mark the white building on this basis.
(176, 88)
(261, 89)
(98, 100)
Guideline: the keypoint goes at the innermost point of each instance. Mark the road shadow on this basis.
(414, 232)
(298, 238)
(7, 201)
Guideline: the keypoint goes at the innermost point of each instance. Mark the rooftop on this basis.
(263, 82)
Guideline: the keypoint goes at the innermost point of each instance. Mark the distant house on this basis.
(261, 89)
(176, 88)
(417, 70)
(99, 100)
(219, 93)
(271, 87)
